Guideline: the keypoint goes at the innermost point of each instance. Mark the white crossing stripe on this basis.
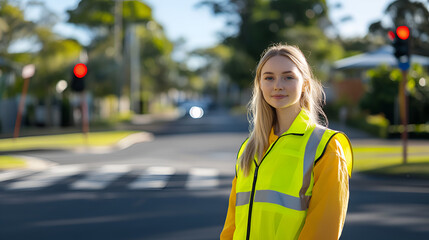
(12, 174)
(153, 178)
(100, 178)
(201, 178)
(45, 178)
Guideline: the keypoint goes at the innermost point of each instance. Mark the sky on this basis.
(199, 27)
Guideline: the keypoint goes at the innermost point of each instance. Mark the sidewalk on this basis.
(142, 123)
(137, 121)
(361, 138)
(351, 132)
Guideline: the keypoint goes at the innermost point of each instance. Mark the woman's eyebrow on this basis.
(285, 72)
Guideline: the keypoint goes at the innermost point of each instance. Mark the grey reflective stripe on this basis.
(242, 198)
(270, 196)
(309, 156)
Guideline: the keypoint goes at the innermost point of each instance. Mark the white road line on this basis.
(12, 174)
(100, 178)
(46, 178)
(153, 178)
(201, 178)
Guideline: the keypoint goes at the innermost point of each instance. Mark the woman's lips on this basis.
(278, 96)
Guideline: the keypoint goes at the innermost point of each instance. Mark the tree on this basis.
(96, 14)
(156, 64)
(13, 26)
(52, 54)
(383, 89)
(261, 23)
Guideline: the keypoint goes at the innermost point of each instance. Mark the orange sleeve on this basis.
(328, 205)
(229, 227)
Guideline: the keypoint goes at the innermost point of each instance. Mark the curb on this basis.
(32, 163)
(38, 164)
(124, 143)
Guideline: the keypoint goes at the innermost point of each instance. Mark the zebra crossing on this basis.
(82, 177)
(153, 178)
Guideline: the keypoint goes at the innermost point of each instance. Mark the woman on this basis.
(291, 174)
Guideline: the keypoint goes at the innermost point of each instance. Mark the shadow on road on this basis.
(387, 208)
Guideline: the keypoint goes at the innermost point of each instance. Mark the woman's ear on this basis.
(304, 86)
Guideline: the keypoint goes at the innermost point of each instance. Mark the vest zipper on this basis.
(255, 177)
(251, 202)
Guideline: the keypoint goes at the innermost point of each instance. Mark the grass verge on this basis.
(410, 170)
(387, 161)
(9, 162)
(64, 141)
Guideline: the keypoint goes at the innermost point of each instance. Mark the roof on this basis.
(383, 55)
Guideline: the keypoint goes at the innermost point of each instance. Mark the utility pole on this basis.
(118, 50)
(27, 73)
(134, 54)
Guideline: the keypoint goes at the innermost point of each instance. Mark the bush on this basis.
(376, 125)
(420, 131)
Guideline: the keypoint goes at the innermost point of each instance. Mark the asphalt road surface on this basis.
(176, 187)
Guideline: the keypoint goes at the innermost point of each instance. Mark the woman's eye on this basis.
(289, 77)
(269, 78)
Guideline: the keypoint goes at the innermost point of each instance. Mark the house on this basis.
(349, 74)
(7, 106)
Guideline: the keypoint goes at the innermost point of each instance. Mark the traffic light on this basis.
(401, 43)
(78, 77)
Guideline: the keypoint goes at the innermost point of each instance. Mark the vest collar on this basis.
(300, 124)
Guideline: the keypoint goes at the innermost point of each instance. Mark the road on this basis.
(176, 187)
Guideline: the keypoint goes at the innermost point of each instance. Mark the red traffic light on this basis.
(403, 32)
(80, 70)
(391, 35)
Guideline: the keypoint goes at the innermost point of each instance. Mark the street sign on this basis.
(28, 71)
(404, 66)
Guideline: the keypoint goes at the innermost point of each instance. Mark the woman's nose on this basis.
(278, 84)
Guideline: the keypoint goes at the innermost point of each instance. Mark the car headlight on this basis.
(196, 112)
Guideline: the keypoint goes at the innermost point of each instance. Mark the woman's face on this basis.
(281, 83)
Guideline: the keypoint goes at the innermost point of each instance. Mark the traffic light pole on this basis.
(84, 107)
(403, 104)
(401, 45)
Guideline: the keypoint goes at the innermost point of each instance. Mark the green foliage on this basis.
(155, 48)
(263, 23)
(95, 13)
(358, 45)
(240, 68)
(54, 62)
(376, 125)
(383, 90)
(13, 26)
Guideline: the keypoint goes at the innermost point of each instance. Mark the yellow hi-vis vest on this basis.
(272, 200)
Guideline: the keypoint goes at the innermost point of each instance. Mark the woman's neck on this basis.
(285, 118)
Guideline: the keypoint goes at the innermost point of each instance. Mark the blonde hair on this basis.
(263, 116)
